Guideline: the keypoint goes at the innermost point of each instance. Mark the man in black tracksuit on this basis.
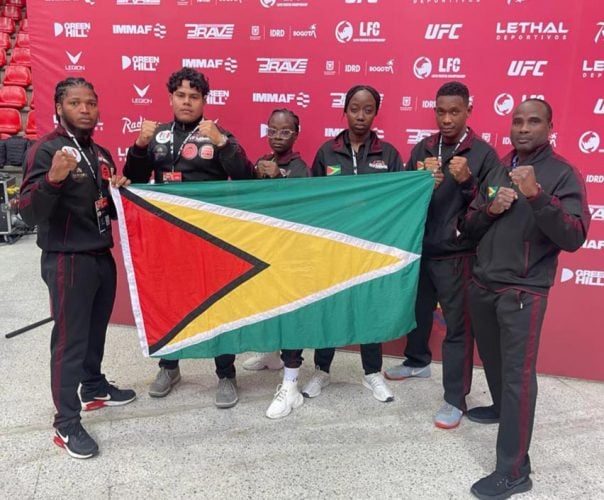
(357, 150)
(65, 193)
(523, 218)
(189, 149)
(460, 161)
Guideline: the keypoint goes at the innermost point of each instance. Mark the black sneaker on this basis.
(483, 415)
(496, 486)
(76, 441)
(109, 395)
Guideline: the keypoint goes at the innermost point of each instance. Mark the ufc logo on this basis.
(524, 68)
(440, 31)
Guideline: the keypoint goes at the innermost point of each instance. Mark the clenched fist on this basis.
(209, 129)
(147, 132)
(524, 178)
(459, 168)
(433, 164)
(266, 168)
(503, 200)
(62, 164)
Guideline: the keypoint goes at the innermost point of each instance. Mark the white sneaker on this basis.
(287, 398)
(318, 381)
(376, 384)
(264, 360)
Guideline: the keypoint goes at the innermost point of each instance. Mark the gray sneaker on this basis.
(226, 394)
(448, 417)
(401, 372)
(164, 381)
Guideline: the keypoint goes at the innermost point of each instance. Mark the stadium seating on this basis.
(24, 26)
(17, 75)
(22, 39)
(21, 56)
(10, 121)
(18, 3)
(2, 57)
(7, 25)
(30, 123)
(11, 11)
(31, 101)
(5, 42)
(12, 97)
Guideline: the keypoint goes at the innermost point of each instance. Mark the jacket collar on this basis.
(536, 156)
(341, 142)
(432, 141)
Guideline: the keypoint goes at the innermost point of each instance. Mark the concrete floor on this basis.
(343, 444)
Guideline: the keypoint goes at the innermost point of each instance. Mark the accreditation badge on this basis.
(103, 218)
(169, 177)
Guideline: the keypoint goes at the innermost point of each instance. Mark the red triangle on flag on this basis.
(178, 268)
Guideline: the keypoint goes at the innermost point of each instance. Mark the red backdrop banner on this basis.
(305, 54)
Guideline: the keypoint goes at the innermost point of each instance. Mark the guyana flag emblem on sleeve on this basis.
(229, 267)
(492, 192)
(333, 170)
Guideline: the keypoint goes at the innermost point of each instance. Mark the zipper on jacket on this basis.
(66, 228)
(527, 247)
(519, 299)
(354, 161)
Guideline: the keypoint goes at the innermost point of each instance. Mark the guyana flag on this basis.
(260, 265)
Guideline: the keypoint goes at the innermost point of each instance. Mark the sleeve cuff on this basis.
(540, 200)
(53, 185)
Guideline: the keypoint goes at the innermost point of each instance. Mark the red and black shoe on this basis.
(108, 395)
(74, 439)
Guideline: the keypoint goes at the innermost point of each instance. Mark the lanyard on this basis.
(175, 158)
(440, 146)
(94, 176)
(514, 162)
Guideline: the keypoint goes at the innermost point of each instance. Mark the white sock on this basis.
(290, 374)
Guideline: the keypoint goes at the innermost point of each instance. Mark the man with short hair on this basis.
(190, 148)
(65, 193)
(523, 217)
(460, 161)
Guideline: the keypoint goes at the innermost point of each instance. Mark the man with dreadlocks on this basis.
(65, 193)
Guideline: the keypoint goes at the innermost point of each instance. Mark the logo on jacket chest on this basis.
(378, 165)
(164, 137)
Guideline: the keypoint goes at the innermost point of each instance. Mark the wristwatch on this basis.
(223, 141)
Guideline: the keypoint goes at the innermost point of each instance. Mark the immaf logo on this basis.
(72, 30)
(140, 97)
(366, 31)
(597, 212)
(526, 68)
(443, 31)
(210, 31)
(599, 107)
(302, 99)
(283, 65)
(74, 61)
(531, 30)
(446, 67)
(140, 63)
(229, 64)
(158, 30)
(589, 142)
